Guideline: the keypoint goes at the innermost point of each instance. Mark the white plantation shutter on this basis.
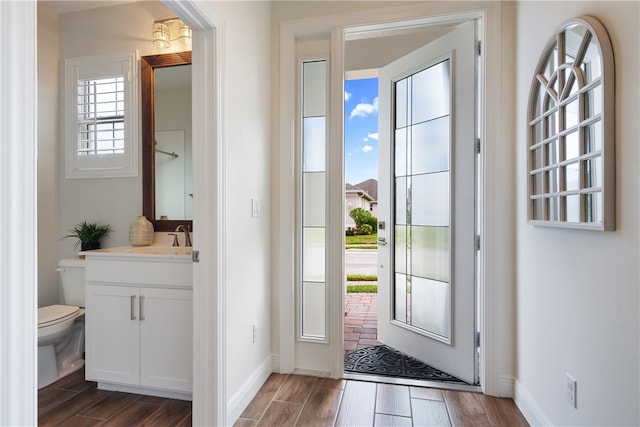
(102, 104)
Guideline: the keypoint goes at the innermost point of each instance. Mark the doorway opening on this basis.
(416, 208)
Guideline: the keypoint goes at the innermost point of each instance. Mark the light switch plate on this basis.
(255, 207)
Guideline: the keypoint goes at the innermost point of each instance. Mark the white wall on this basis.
(117, 201)
(248, 160)
(577, 291)
(48, 206)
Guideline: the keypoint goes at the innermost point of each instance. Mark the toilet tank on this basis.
(72, 278)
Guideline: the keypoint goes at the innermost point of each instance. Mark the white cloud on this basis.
(364, 109)
(347, 96)
(367, 148)
(372, 136)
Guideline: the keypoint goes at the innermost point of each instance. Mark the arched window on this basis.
(571, 135)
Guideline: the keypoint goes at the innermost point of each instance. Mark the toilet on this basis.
(61, 327)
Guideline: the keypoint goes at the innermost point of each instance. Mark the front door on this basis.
(426, 252)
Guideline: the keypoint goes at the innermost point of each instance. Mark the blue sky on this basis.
(360, 130)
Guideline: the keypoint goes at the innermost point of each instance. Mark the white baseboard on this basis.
(312, 373)
(275, 362)
(506, 387)
(241, 399)
(529, 408)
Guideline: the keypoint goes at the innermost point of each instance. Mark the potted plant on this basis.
(89, 234)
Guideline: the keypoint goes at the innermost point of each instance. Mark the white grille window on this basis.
(101, 116)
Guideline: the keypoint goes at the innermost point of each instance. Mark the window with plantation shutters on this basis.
(101, 116)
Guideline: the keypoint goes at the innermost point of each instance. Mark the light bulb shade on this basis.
(161, 37)
(184, 33)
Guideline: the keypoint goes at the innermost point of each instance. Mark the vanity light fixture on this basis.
(167, 30)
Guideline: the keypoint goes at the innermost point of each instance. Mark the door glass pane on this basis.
(401, 298)
(312, 290)
(430, 93)
(401, 104)
(401, 152)
(431, 306)
(313, 199)
(313, 309)
(430, 252)
(314, 88)
(401, 242)
(313, 254)
(401, 201)
(313, 139)
(430, 199)
(422, 201)
(430, 146)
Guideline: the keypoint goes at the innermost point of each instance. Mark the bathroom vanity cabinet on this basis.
(139, 322)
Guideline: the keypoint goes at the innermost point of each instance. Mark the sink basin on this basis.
(161, 250)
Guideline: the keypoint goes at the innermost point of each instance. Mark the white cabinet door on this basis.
(112, 334)
(166, 338)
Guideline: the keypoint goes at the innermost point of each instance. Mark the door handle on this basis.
(133, 307)
(141, 312)
(382, 241)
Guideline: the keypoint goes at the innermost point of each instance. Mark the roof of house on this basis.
(368, 188)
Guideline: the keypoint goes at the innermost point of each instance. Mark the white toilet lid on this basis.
(55, 313)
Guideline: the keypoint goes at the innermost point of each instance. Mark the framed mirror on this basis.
(571, 134)
(167, 195)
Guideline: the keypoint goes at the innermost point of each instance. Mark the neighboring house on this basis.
(363, 195)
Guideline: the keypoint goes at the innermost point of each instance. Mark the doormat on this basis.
(383, 360)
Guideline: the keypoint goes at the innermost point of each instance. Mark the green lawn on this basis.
(362, 278)
(359, 289)
(369, 239)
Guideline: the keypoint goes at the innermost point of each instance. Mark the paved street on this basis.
(361, 261)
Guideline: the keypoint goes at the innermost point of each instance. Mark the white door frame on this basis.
(496, 215)
(18, 216)
(209, 298)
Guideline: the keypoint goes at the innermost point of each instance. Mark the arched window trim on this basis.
(571, 134)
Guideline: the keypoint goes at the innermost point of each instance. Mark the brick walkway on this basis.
(361, 321)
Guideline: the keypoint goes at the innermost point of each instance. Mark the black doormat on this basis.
(383, 360)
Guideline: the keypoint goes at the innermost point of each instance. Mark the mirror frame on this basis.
(148, 64)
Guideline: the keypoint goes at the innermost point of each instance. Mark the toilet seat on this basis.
(54, 318)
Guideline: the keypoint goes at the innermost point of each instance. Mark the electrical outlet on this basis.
(255, 332)
(571, 391)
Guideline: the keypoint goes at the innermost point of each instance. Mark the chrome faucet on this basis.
(187, 238)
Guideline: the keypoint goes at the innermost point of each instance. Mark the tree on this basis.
(363, 217)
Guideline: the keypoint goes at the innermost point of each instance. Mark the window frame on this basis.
(95, 68)
(300, 282)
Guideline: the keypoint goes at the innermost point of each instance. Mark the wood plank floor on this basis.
(295, 400)
(284, 400)
(74, 402)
